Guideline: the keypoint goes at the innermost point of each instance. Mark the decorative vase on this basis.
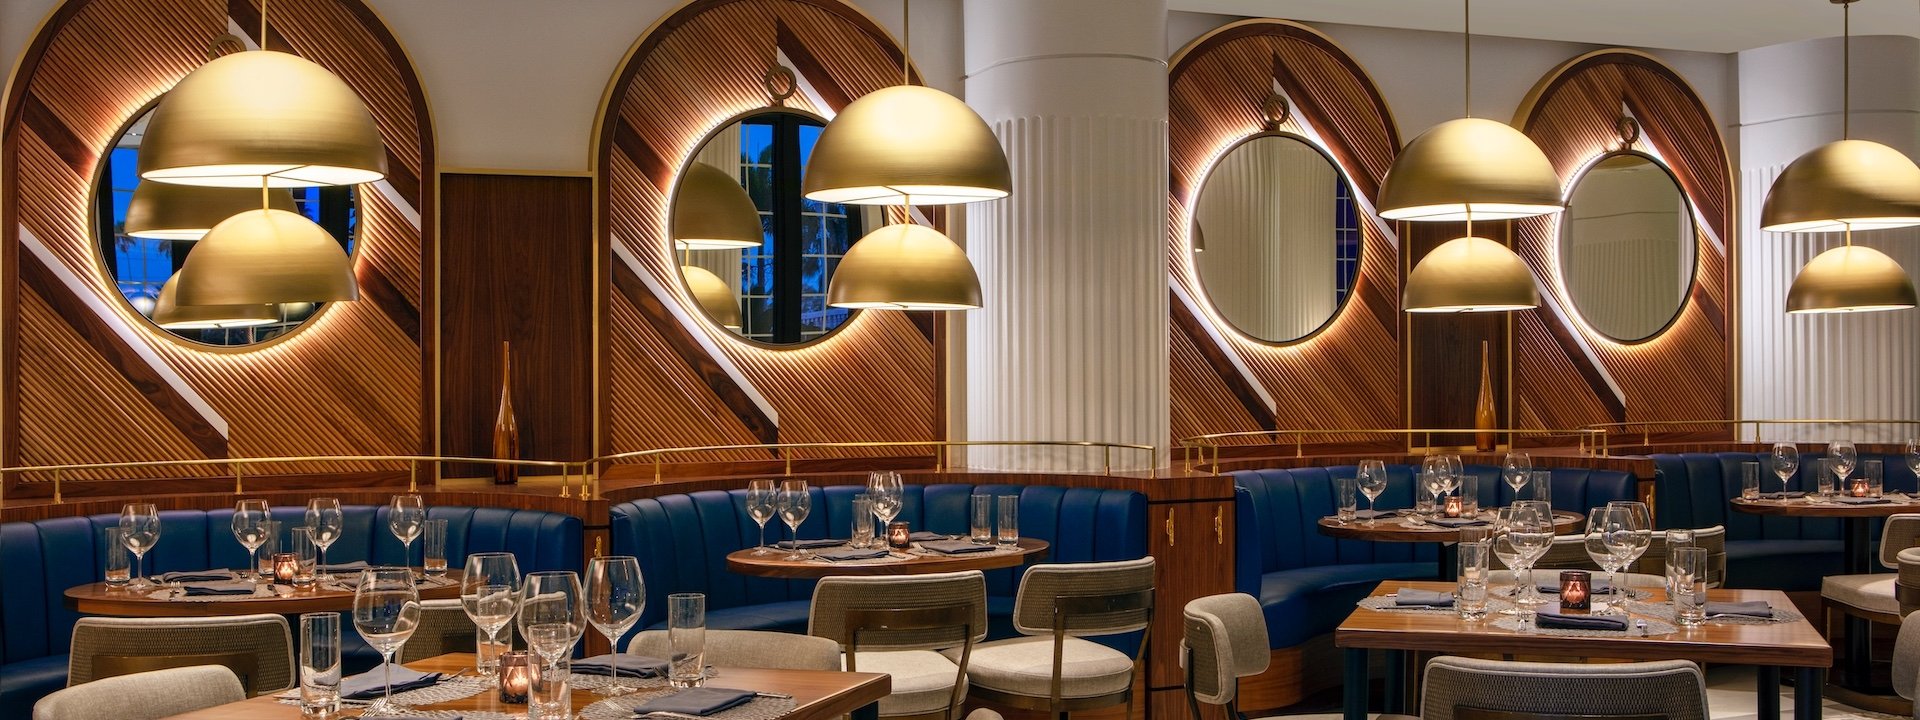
(1485, 419)
(506, 430)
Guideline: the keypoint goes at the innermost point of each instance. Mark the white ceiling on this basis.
(1704, 25)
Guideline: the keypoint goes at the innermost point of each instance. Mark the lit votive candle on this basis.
(1576, 590)
(516, 676)
(1857, 487)
(897, 536)
(1454, 506)
(284, 568)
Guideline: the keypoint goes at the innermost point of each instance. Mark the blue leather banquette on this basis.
(683, 539)
(1308, 582)
(1767, 552)
(41, 559)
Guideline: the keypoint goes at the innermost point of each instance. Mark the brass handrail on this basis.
(235, 464)
(941, 448)
(1646, 426)
(1200, 444)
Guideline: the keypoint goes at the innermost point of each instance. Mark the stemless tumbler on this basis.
(980, 530)
(119, 570)
(1008, 522)
(319, 664)
(1750, 480)
(686, 639)
(434, 548)
(1474, 572)
(862, 521)
(1346, 499)
(1687, 570)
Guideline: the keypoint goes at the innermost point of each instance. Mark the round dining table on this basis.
(912, 562)
(1400, 529)
(1855, 520)
(117, 601)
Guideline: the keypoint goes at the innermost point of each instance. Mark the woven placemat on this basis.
(621, 707)
(1667, 612)
(459, 688)
(1631, 593)
(1524, 623)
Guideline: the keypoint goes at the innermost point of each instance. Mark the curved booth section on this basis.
(683, 540)
(43, 558)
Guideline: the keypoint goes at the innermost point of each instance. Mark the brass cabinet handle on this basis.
(1219, 528)
(1169, 529)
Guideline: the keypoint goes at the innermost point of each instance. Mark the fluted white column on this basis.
(1072, 342)
(1823, 366)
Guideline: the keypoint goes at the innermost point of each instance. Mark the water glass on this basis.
(1542, 486)
(1823, 481)
(1876, 482)
(306, 556)
(862, 521)
(980, 530)
(269, 546)
(1750, 480)
(434, 548)
(1008, 521)
(1346, 499)
(687, 639)
(1423, 504)
(119, 568)
(1475, 569)
(1687, 572)
(548, 697)
(1469, 494)
(319, 664)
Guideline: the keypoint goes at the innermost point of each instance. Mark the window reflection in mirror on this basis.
(1276, 234)
(1627, 246)
(140, 266)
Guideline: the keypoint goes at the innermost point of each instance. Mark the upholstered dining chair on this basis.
(1906, 589)
(257, 648)
(1872, 596)
(144, 695)
(896, 625)
(1906, 660)
(1053, 668)
(749, 649)
(444, 628)
(1226, 639)
(1459, 688)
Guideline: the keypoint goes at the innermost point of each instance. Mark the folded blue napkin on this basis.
(1410, 597)
(697, 701)
(631, 666)
(850, 554)
(1596, 585)
(1376, 514)
(955, 547)
(373, 683)
(1461, 522)
(198, 576)
(1558, 621)
(1750, 608)
(808, 544)
(1787, 495)
(1849, 500)
(204, 591)
(924, 536)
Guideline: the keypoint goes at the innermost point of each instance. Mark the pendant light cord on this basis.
(906, 41)
(1846, 69)
(1466, 15)
(263, 24)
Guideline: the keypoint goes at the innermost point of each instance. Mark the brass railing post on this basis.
(56, 488)
(1106, 458)
(239, 487)
(656, 469)
(413, 477)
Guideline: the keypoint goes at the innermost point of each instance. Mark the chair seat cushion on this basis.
(922, 680)
(789, 616)
(1024, 666)
(1789, 565)
(1872, 593)
(24, 683)
(1304, 602)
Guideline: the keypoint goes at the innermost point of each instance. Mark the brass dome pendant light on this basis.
(712, 211)
(907, 141)
(169, 314)
(1455, 171)
(165, 211)
(1851, 278)
(713, 295)
(905, 267)
(1847, 184)
(266, 256)
(262, 114)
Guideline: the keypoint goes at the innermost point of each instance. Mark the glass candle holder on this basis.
(1454, 506)
(897, 536)
(1576, 590)
(516, 676)
(1857, 487)
(284, 568)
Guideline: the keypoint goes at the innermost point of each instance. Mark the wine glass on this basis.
(1786, 459)
(1372, 478)
(250, 529)
(1433, 469)
(386, 609)
(1640, 520)
(888, 498)
(326, 520)
(490, 593)
(1845, 457)
(1517, 468)
(760, 507)
(552, 616)
(139, 531)
(793, 504)
(1530, 533)
(1913, 456)
(615, 596)
(406, 517)
(1608, 543)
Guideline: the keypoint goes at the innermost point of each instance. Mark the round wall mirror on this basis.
(1627, 246)
(147, 229)
(755, 254)
(1276, 238)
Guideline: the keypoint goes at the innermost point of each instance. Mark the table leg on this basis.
(1767, 693)
(1807, 682)
(869, 711)
(1858, 546)
(1449, 563)
(1859, 653)
(1396, 694)
(1353, 692)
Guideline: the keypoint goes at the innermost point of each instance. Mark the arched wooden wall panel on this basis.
(877, 378)
(1562, 369)
(1349, 374)
(88, 380)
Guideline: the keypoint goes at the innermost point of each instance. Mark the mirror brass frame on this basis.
(1564, 226)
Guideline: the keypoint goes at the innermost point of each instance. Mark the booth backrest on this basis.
(1692, 490)
(683, 540)
(42, 558)
(1279, 511)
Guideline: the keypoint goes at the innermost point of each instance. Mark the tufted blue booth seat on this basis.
(45, 557)
(1308, 582)
(1768, 552)
(682, 541)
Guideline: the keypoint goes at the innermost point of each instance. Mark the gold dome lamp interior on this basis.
(166, 211)
(169, 314)
(712, 211)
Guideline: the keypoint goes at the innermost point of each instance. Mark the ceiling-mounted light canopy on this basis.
(1470, 274)
(713, 295)
(1851, 278)
(169, 314)
(907, 145)
(1846, 182)
(164, 211)
(711, 211)
(266, 257)
(1470, 164)
(258, 114)
(905, 267)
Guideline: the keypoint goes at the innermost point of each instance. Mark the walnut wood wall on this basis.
(85, 378)
(877, 378)
(1348, 375)
(1685, 371)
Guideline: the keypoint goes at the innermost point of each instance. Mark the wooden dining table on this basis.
(1401, 529)
(817, 694)
(103, 599)
(1794, 646)
(917, 562)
